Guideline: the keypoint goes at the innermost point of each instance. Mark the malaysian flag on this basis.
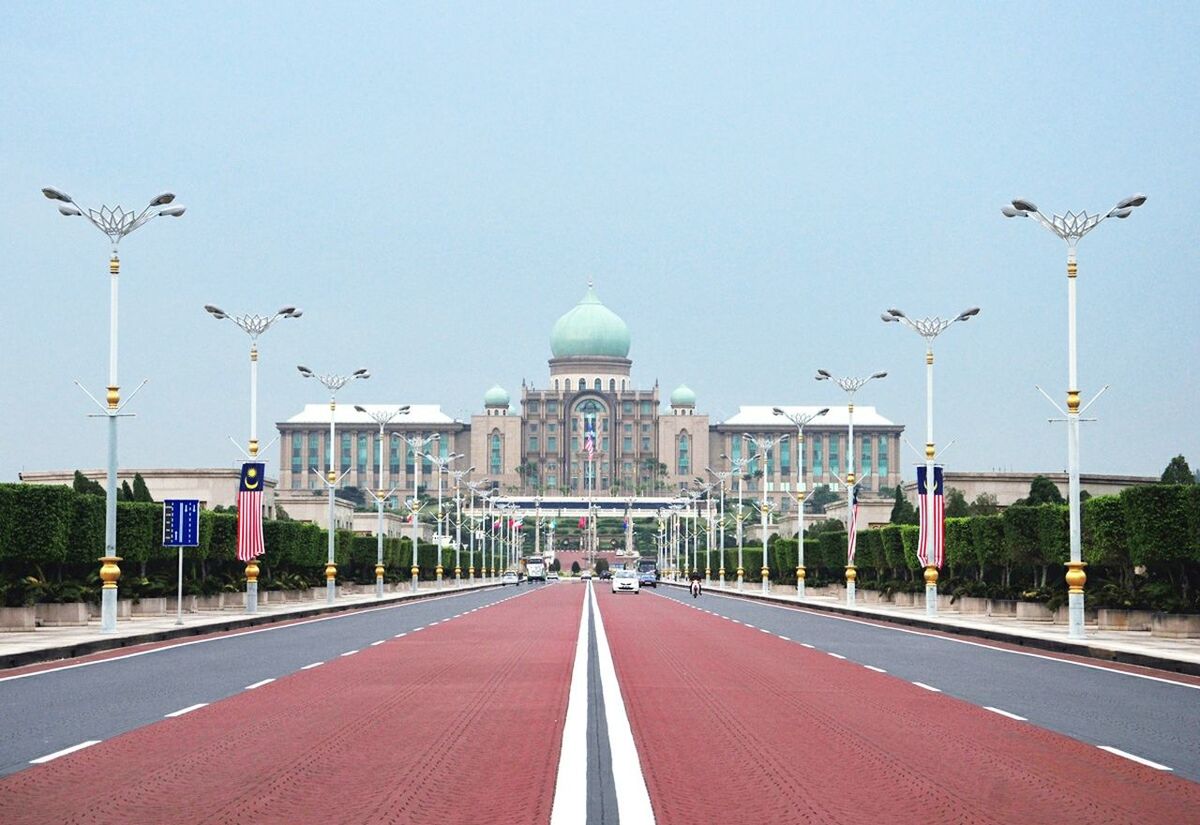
(932, 545)
(589, 437)
(851, 530)
(249, 508)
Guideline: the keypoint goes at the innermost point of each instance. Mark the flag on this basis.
(249, 508)
(582, 522)
(851, 531)
(589, 437)
(931, 545)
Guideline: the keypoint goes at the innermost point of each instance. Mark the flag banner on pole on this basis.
(249, 510)
(852, 529)
(589, 436)
(932, 511)
(582, 522)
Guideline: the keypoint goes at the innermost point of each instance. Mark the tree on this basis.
(985, 504)
(82, 484)
(354, 495)
(281, 514)
(956, 504)
(556, 565)
(821, 495)
(126, 492)
(574, 568)
(829, 525)
(903, 511)
(601, 565)
(1178, 472)
(140, 491)
(1042, 491)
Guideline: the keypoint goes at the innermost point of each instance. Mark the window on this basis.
(532, 407)
(551, 428)
(866, 456)
(574, 444)
(408, 458)
(567, 385)
(596, 385)
(494, 460)
(362, 452)
(297, 457)
(603, 425)
(883, 458)
(683, 457)
(736, 452)
(627, 407)
(345, 462)
(785, 458)
(627, 444)
(394, 458)
(647, 408)
(818, 461)
(628, 429)
(533, 443)
(551, 408)
(645, 428)
(612, 385)
(552, 444)
(604, 444)
(574, 425)
(835, 466)
(770, 462)
(551, 482)
(314, 441)
(645, 444)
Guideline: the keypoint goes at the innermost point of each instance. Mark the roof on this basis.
(497, 396)
(836, 417)
(590, 328)
(346, 414)
(683, 396)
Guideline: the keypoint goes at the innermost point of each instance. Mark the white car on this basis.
(586, 575)
(551, 576)
(509, 577)
(625, 581)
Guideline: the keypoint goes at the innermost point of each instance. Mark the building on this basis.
(214, 487)
(1008, 487)
(590, 430)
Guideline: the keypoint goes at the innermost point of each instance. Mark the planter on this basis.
(17, 619)
(945, 603)
(1175, 626)
(124, 609)
(1034, 612)
(972, 604)
(213, 602)
(904, 599)
(1002, 608)
(151, 607)
(68, 614)
(1062, 615)
(869, 596)
(1116, 619)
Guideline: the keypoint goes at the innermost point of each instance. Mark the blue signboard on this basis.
(181, 522)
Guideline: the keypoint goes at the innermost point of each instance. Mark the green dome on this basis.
(590, 328)
(496, 397)
(683, 397)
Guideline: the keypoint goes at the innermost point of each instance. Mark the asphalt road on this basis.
(44, 712)
(1153, 718)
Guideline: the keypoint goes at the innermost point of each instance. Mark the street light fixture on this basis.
(929, 329)
(800, 420)
(458, 477)
(739, 469)
(721, 478)
(763, 445)
(382, 417)
(416, 445)
(115, 223)
(850, 386)
(441, 462)
(254, 326)
(1071, 228)
(333, 383)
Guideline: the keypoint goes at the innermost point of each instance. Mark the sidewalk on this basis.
(1134, 647)
(50, 643)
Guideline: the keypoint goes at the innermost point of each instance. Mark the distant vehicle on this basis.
(605, 575)
(626, 581)
(650, 566)
(586, 575)
(646, 578)
(551, 576)
(535, 569)
(510, 577)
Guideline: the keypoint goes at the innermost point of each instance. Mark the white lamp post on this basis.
(721, 477)
(929, 329)
(115, 223)
(441, 463)
(800, 419)
(382, 418)
(333, 383)
(476, 488)
(1071, 228)
(458, 477)
(850, 386)
(254, 326)
(416, 445)
(763, 446)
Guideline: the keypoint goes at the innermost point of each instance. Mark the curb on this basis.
(98, 645)
(1084, 649)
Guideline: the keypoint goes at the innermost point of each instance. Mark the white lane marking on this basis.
(928, 687)
(377, 644)
(43, 759)
(764, 630)
(785, 638)
(399, 635)
(188, 709)
(231, 635)
(1137, 759)
(570, 806)
(633, 800)
(881, 624)
(415, 629)
(806, 644)
(350, 652)
(314, 664)
(876, 669)
(1005, 713)
(259, 684)
(836, 655)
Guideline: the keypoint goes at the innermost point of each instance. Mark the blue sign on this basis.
(181, 522)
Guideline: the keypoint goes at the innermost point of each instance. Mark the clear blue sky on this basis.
(749, 186)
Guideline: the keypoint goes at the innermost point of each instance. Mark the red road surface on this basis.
(459, 722)
(734, 725)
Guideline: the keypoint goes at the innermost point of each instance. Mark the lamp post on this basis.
(850, 386)
(721, 477)
(333, 383)
(763, 446)
(1071, 228)
(739, 469)
(476, 489)
(416, 445)
(254, 326)
(703, 490)
(382, 418)
(441, 462)
(458, 477)
(800, 420)
(115, 223)
(929, 329)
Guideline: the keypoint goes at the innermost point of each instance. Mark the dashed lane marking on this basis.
(314, 664)
(350, 652)
(785, 638)
(1138, 759)
(876, 669)
(928, 687)
(50, 756)
(1005, 713)
(836, 655)
(806, 644)
(188, 709)
(259, 684)
(377, 644)
(399, 635)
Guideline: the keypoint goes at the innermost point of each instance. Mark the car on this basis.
(646, 578)
(551, 576)
(626, 581)
(509, 577)
(586, 575)
(605, 575)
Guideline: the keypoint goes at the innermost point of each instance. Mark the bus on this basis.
(535, 569)
(648, 566)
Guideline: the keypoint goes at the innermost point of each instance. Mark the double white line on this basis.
(570, 789)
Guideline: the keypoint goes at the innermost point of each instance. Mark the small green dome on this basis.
(683, 397)
(496, 397)
(590, 328)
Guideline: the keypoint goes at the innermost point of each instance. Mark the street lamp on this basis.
(929, 329)
(763, 445)
(333, 383)
(721, 477)
(1071, 228)
(800, 419)
(416, 445)
(441, 462)
(115, 223)
(254, 326)
(382, 417)
(739, 468)
(458, 477)
(476, 488)
(850, 386)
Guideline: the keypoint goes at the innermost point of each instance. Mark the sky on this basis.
(749, 186)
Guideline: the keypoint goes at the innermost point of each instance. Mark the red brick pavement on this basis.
(734, 725)
(458, 723)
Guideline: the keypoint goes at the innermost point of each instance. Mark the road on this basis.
(566, 705)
